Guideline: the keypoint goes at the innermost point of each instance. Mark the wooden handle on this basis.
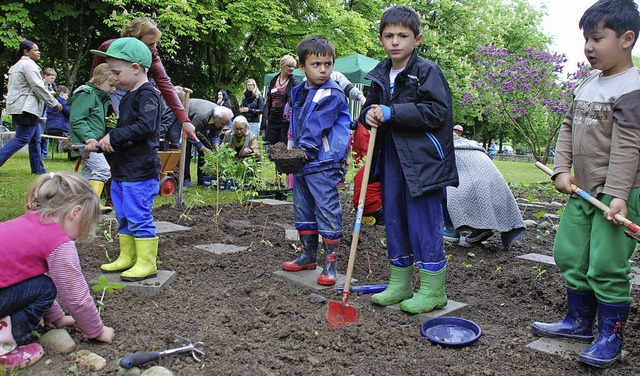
(179, 200)
(356, 226)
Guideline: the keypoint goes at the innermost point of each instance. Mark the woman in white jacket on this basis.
(26, 97)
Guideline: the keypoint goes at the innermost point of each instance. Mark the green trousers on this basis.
(593, 253)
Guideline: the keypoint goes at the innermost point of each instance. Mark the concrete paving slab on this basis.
(148, 287)
(220, 249)
(308, 279)
(453, 308)
(291, 234)
(564, 348)
(163, 227)
(536, 257)
(269, 202)
(635, 275)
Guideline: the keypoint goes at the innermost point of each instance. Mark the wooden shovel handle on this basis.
(595, 202)
(356, 226)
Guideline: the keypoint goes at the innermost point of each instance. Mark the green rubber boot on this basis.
(400, 287)
(127, 257)
(431, 294)
(145, 267)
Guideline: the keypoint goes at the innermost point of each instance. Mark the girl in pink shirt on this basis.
(61, 207)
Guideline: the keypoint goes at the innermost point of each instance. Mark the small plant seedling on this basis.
(497, 271)
(467, 265)
(538, 272)
(106, 287)
(383, 241)
(448, 257)
(471, 254)
(540, 214)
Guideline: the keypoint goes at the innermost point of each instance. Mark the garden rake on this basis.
(341, 313)
(633, 230)
(137, 359)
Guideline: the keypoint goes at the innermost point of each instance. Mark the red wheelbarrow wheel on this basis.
(168, 186)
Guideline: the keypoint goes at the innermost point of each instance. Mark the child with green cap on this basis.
(135, 175)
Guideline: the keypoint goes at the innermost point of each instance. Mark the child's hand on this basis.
(617, 206)
(91, 145)
(563, 182)
(106, 335)
(375, 116)
(105, 144)
(64, 321)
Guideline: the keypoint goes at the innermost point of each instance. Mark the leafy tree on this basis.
(524, 93)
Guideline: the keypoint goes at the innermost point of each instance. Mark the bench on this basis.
(58, 144)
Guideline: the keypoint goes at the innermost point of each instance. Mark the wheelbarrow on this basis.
(137, 359)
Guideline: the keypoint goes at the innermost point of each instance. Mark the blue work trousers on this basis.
(413, 224)
(132, 202)
(316, 202)
(25, 134)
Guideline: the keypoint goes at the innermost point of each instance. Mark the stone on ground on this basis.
(220, 249)
(147, 287)
(157, 371)
(87, 359)
(58, 340)
(308, 279)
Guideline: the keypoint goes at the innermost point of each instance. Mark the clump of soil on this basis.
(287, 161)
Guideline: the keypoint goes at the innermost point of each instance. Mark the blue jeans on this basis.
(132, 202)
(27, 302)
(25, 134)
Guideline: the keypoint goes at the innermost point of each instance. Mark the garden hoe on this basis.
(341, 313)
(633, 229)
(137, 359)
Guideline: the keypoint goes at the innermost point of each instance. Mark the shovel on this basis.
(341, 313)
(179, 199)
(137, 359)
(633, 229)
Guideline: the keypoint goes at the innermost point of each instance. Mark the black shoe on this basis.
(1, 174)
(188, 183)
(478, 236)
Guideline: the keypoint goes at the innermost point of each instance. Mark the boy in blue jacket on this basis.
(410, 103)
(320, 125)
(135, 175)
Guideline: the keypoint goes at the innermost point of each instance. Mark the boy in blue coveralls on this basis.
(320, 125)
(135, 175)
(600, 140)
(410, 103)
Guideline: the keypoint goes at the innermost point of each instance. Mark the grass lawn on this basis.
(14, 186)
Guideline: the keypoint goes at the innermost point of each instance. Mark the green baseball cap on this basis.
(128, 49)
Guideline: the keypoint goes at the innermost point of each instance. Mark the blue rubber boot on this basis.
(577, 324)
(608, 347)
(308, 253)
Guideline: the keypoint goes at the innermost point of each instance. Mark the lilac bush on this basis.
(523, 92)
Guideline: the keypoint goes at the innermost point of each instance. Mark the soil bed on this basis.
(252, 323)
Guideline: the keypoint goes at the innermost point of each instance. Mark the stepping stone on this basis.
(163, 227)
(635, 275)
(308, 279)
(535, 257)
(453, 308)
(269, 202)
(566, 349)
(291, 234)
(220, 249)
(148, 287)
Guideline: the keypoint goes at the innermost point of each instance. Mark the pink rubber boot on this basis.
(12, 355)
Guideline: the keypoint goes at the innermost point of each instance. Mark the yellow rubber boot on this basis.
(146, 255)
(98, 186)
(127, 257)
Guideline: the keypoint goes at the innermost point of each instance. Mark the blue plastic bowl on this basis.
(451, 331)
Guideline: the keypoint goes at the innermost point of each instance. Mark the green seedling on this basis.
(467, 265)
(383, 241)
(105, 287)
(538, 272)
(448, 257)
(497, 271)
(471, 254)
(540, 214)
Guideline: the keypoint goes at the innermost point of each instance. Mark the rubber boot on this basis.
(400, 287)
(127, 257)
(577, 324)
(328, 275)
(146, 256)
(608, 347)
(308, 253)
(98, 186)
(12, 355)
(431, 294)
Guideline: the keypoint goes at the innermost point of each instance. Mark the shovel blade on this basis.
(341, 314)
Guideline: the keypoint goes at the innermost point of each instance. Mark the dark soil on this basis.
(255, 324)
(287, 161)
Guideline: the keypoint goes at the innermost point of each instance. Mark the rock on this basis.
(555, 227)
(314, 360)
(134, 371)
(58, 340)
(157, 371)
(530, 223)
(87, 359)
(545, 225)
(556, 204)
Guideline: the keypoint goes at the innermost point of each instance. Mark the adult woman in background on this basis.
(277, 126)
(146, 30)
(252, 105)
(26, 97)
(223, 99)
